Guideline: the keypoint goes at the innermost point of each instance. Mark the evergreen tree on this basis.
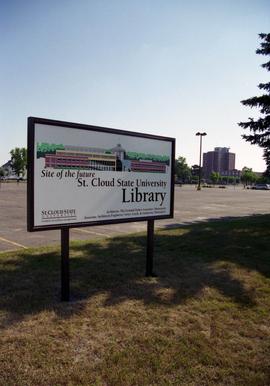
(260, 128)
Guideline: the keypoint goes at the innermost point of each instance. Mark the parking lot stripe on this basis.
(12, 243)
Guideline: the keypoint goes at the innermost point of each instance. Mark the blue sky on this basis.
(162, 67)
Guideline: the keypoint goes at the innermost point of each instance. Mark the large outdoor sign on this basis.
(80, 175)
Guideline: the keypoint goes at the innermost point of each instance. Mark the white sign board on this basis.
(81, 175)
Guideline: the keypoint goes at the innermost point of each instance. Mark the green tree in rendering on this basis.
(44, 148)
(260, 128)
(182, 170)
(18, 160)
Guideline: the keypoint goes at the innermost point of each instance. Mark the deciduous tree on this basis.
(215, 177)
(248, 176)
(182, 170)
(18, 160)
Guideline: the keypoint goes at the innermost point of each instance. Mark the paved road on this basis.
(190, 205)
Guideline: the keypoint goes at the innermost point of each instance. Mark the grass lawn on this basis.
(203, 321)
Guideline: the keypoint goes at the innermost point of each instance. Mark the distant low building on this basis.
(9, 172)
(231, 173)
(259, 174)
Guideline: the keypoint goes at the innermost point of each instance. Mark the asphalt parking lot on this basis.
(190, 205)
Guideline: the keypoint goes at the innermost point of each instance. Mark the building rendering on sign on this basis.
(220, 160)
(84, 158)
(92, 158)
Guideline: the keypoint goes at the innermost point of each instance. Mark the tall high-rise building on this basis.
(220, 160)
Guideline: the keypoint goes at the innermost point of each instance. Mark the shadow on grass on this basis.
(186, 261)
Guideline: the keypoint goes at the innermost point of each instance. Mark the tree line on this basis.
(190, 174)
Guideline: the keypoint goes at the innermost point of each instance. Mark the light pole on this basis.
(200, 166)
